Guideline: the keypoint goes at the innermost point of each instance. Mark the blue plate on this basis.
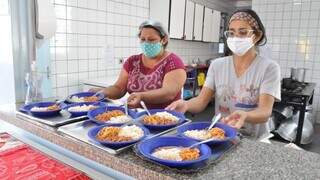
(93, 113)
(94, 131)
(27, 109)
(230, 132)
(147, 147)
(181, 117)
(84, 94)
(82, 113)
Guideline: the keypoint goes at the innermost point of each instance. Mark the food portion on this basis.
(84, 99)
(54, 107)
(120, 134)
(114, 116)
(82, 108)
(161, 118)
(215, 133)
(176, 153)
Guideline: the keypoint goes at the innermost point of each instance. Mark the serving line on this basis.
(249, 160)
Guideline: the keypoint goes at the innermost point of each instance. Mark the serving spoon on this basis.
(215, 119)
(145, 107)
(201, 142)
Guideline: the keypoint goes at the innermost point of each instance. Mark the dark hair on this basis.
(261, 31)
(157, 26)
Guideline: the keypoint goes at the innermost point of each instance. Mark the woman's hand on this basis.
(236, 119)
(134, 100)
(179, 105)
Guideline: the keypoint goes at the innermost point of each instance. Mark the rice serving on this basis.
(77, 99)
(82, 108)
(44, 109)
(167, 115)
(168, 154)
(177, 153)
(133, 132)
(214, 133)
(119, 119)
(39, 109)
(198, 134)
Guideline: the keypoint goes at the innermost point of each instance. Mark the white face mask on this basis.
(240, 46)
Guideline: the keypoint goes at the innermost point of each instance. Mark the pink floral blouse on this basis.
(143, 79)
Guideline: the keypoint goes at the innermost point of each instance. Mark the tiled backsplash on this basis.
(92, 35)
(293, 32)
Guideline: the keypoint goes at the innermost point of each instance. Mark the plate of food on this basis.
(85, 97)
(198, 131)
(117, 136)
(174, 151)
(114, 115)
(42, 109)
(161, 119)
(82, 109)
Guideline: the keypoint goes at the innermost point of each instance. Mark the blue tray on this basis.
(218, 152)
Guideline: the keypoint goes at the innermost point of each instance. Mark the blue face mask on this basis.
(151, 50)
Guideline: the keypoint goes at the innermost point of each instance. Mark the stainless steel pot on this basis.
(285, 111)
(298, 74)
(288, 129)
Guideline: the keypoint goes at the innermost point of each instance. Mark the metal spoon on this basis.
(215, 119)
(98, 92)
(201, 142)
(126, 108)
(145, 107)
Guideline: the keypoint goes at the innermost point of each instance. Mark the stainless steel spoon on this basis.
(145, 107)
(215, 119)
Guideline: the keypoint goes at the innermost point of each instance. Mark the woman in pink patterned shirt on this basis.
(155, 76)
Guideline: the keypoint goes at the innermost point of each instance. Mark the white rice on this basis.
(132, 131)
(198, 134)
(77, 99)
(119, 119)
(82, 108)
(39, 109)
(167, 115)
(168, 154)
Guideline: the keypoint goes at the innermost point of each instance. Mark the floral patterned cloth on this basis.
(143, 79)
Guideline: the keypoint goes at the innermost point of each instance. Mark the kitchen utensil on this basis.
(126, 108)
(271, 124)
(288, 129)
(145, 107)
(298, 74)
(215, 119)
(201, 142)
(285, 111)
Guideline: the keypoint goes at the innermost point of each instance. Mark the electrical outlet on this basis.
(121, 60)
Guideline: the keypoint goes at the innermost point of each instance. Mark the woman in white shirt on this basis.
(245, 85)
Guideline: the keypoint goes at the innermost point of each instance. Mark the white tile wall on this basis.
(293, 31)
(87, 27)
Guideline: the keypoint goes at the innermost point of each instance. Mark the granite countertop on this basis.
(250, 159)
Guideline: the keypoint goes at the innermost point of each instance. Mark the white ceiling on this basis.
(240, 3)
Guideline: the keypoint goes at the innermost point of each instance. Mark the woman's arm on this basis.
(264, 110)
(171, 86)
(194, 105)
(117, 90)
(259, 115)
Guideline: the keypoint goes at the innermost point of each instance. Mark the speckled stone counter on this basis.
(250, 159)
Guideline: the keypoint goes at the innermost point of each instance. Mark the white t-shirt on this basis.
(242, 93)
